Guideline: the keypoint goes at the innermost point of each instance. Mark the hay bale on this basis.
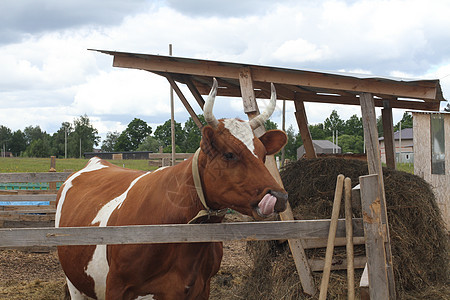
(419, 241)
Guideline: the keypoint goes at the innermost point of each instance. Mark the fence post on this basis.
(52, 185)
(375, 233)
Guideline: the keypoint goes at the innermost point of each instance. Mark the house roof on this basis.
(291, 84)
(325, 144)
(407, 134)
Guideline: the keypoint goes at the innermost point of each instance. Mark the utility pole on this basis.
(283, 127)
(172, 116)
(65, 142)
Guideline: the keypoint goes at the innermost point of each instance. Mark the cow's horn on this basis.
(262, 118)
(207, 108)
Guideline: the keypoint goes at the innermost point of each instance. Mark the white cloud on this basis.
(300, 50)
(50, 72)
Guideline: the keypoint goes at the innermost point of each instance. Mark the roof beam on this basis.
(418, 90)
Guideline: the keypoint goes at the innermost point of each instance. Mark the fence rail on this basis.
(173, 233)
(34, 177)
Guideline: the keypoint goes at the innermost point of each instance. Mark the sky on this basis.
(48, 75)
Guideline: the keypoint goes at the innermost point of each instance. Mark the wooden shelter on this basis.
(253, 81)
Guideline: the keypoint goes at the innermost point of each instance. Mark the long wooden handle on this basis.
(331, 237)
(349, 236)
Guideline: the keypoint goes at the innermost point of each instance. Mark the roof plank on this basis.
(289, 81)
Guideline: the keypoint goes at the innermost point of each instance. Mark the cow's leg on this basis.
(75, 294)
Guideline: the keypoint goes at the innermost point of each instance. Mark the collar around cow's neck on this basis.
(207, 212)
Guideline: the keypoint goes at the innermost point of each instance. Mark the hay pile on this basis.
(418, 238)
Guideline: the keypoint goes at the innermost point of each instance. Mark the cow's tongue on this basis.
(267, 204)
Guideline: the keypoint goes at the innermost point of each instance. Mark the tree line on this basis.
(74, 139)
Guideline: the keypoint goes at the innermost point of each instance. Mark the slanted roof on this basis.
(325, 144)
(291, 84)
(407, 134)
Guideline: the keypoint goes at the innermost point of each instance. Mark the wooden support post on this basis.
(297, 250)
(388, 130)
(374, 165)
(375, 233)
(331, 237)
(52, 185)
(302, 121)
(349, 238)
(195, 92)
(183, 99)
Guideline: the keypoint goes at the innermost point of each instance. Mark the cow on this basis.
(226, 172)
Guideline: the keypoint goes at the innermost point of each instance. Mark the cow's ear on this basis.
(207, 142)
(274, 141)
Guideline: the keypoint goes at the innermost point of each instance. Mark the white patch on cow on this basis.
(93, 165)
(75, 294)
(146, 297)
(242, 131)
(160, 169)
(98, 267)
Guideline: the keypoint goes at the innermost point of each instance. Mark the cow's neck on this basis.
(206, 214)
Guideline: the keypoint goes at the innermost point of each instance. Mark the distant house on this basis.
(404, 146)
(320, 146)
(6, 154)
(118, 155)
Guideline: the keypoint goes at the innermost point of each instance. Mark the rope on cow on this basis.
(207, 212)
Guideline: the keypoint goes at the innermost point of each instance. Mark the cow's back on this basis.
(87, 191)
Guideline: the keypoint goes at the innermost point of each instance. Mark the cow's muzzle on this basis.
(273, 202)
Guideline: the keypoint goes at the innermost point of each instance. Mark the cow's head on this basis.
(232, 163)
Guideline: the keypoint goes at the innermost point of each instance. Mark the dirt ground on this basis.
(25, 274)
(35, 273)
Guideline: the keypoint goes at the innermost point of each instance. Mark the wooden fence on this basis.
(163, 159)
(312, 233)
(13, 216)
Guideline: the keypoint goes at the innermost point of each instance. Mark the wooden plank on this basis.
(43, 197)
(173, 233)
(374, 232)
(336, 99)
(349, 237)
(419, 90)
(302, 122)
(331, 237)
(350, 100)
(322, 243)
(374, 165)
(337, 263)
(184, 101)
(8, 192)
(14, 216)
(34, 177)
(25, 207)
(298, 253)
(19, 211)
(195, 92)
(27, 224)
(388, 132)
(247, 91)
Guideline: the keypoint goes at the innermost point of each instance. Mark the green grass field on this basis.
(19, 164)
(409, 168)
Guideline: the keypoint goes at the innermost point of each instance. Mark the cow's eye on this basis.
(229, 156)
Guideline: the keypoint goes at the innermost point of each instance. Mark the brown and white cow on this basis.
(232, 174)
